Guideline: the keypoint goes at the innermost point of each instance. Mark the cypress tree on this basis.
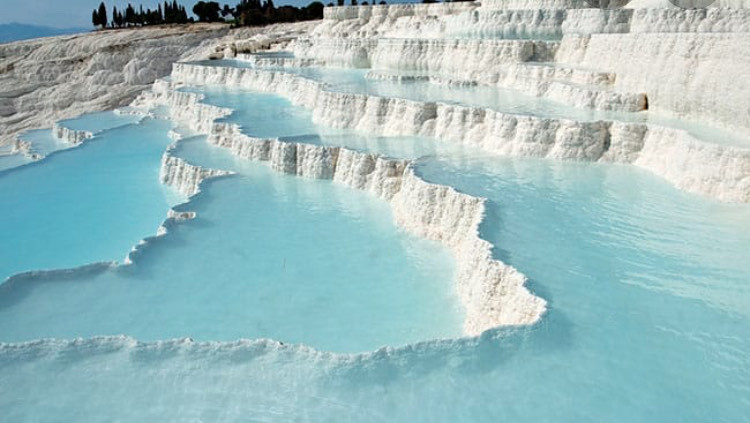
(226, 11)
(102, 15)
(130, 15)
(270, 10)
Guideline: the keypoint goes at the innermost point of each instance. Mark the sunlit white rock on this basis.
(493, 131)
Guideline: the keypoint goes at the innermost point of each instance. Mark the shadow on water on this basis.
(479, 355)
(17, 287)
(490, 351)
(36, 163)
(148, 256)
(492, 224)
(145, 258)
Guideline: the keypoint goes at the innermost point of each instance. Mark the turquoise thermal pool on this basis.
(290, 298)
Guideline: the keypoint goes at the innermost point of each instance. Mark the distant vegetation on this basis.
(171, 13)
(245, 13)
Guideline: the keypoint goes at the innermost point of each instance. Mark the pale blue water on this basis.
(504, 100)
(44, 142)
(86, 204)
(265, 115)
(269, 256)
(619, 343)
(647, 288)
(97, 122)
(262, 115)
(9, 161)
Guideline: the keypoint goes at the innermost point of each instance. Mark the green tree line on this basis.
(245, 13)
(170, 13)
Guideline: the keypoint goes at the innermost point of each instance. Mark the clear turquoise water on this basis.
(647, 287)
(44, 142)
(265, 115)
(645, 324)
(262, 115)
(269, 256)
(97, 122)
(504, 100)
(9, 161)
(83, 205)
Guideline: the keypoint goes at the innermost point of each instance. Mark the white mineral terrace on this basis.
(492, 292)
(685, 64)
(650, 58)
(691, 164)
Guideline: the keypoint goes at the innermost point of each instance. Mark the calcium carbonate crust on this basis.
(43, 81)
(597, 59)
(493, 293)
(525, 65)
(175, 172)
(248, 349)
(688, 64)
(187, 180)
(712, 169)
(71, 136)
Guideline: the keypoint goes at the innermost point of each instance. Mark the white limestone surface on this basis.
(51, 79)
(185, 177)
(71, 136)
(694, 76)
(498, 132)
(46, 80)
(492, 292)
(466, 58)
(690, 64)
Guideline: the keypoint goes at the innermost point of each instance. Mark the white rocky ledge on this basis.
(644, 145)
(492, 292)
(71, 136)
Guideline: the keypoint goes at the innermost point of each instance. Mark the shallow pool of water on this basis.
(281, 119)
(269, 256)
(86, 204)
(647, 289)
(505, 100)
(651, 330)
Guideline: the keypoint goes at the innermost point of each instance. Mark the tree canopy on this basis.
(208, 11)
(99, 17)
(245, 13)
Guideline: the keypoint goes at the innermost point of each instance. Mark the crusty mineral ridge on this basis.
(690, 64)
(46, 80)
(492, 292)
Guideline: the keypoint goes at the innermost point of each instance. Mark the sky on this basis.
(77, 13)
